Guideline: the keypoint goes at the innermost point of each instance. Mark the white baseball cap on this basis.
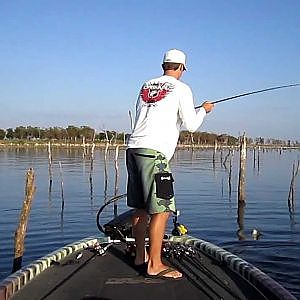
(175, 56)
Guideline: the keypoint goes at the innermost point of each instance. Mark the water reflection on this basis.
(228, 169)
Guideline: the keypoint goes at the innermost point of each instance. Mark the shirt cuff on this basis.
(202, 109)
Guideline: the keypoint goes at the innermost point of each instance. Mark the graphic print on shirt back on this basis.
(153, 92)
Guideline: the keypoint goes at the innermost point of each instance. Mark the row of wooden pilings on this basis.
(89, 152)
(30, 188)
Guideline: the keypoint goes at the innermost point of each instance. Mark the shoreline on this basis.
(103, 145)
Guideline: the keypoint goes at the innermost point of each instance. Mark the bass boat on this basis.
(102, 268)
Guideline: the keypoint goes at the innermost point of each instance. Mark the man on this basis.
(164, 104)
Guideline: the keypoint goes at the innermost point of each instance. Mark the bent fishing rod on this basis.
(253, 92)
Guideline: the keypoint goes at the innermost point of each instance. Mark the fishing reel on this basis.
(178, 251)
(178, 229)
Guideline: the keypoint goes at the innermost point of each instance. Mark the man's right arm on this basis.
(190, 118)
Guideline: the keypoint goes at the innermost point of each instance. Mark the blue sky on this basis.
(83, 62)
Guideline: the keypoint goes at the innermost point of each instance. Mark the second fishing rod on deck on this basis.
(253, 92)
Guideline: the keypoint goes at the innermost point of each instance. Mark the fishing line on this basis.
(253, 92)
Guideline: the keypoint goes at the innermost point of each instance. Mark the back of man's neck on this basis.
(171, 73)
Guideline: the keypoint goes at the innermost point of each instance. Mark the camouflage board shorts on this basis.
(150, 183)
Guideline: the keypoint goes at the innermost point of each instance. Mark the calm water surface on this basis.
(207, 206)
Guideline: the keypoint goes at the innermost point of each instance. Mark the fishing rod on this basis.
(253, 92)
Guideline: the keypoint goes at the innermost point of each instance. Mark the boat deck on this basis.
(113, 276)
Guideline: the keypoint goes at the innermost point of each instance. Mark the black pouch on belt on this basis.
(164, 185)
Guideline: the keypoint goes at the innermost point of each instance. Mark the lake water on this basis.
(208, 208)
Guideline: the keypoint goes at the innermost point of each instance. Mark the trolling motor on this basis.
(120, 226)
(178, 229)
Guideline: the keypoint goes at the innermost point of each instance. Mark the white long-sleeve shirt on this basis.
(163, 106)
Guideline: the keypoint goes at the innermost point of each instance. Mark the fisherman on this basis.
(164, 104)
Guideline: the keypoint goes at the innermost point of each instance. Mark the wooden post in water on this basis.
(226, 157)
(214, 153)
(229, 177)
(221, 155)
(192, 141)
(92, 165)
(291, 197)
(84, 147)
(229, 171)
(241, 188)
(105, 170)
(62, 186)
(91, 170)
(254, 157)
(258, 159)
(93, 152)
(62, 196)
(242, 171)
(116, 180)
(50, 167)
(21, 229)
(131, 120)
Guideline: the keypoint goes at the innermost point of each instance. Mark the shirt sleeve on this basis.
(191, 119)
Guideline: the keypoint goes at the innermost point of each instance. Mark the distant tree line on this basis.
(76, 134)
(202, 138)
(70, 134)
